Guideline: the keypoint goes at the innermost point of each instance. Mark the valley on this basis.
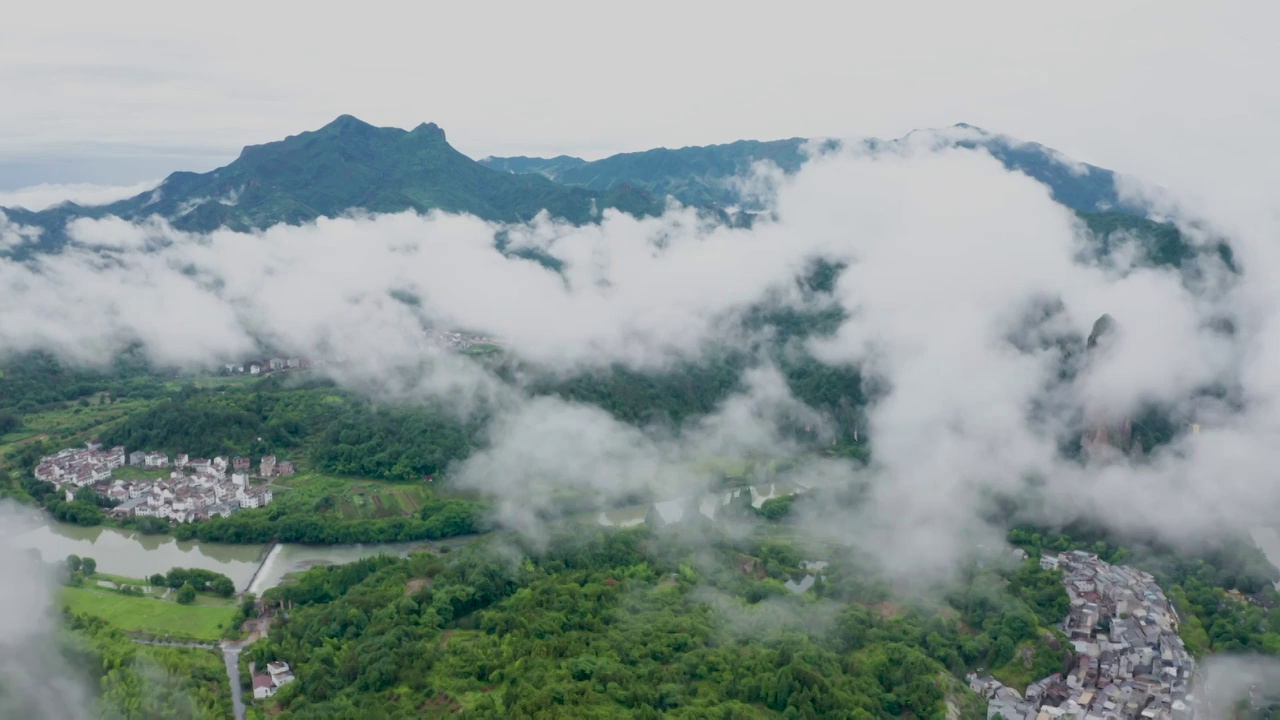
(606, 498)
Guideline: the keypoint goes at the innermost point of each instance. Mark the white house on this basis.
(263, 687)
(266, 684)
(279, 672)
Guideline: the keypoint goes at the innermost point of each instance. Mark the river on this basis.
(258, 567)
(132, 554)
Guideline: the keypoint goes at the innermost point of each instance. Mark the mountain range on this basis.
(351, 165)
(697, 175)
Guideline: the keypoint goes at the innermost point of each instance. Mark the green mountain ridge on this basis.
(351, 166)
(699, 175)
(345, 166)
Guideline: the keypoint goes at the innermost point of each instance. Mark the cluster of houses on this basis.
(266, 684)
(196, 488)
(452, 340)
(78, 467)
(268, 365)
(1131, 664)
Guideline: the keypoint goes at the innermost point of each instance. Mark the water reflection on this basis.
(132, 554)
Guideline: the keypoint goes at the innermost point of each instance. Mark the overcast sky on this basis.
(1173, 91)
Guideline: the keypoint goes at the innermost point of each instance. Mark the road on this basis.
(163, 643)
(231, 656)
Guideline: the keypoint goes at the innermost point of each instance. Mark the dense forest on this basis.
(32, 381)
(439, 518)
(687, 622)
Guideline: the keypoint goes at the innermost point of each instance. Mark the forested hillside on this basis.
(637, 624)
(349, 165)
(344, 166)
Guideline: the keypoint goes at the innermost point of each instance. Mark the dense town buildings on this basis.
(202, 493)
(1131, 664)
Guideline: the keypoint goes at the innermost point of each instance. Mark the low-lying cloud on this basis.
(46, 195)
(947, 257)
(35, 678)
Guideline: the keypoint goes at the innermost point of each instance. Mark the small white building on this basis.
(254, 497)
(263, 687)
(278, 674)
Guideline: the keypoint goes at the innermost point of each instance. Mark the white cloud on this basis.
(13, 235)
(35, 679)
(46, 195)
(947, 253)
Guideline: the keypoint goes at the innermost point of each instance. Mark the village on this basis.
(269, 365)
(458, 341)
(194, 489)
(1131, 663)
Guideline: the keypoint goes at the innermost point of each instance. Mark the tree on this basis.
(186, 594)
(88, 566)
(73, 563)
(223, 586)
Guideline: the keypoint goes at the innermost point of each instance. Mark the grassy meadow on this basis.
(205, 619)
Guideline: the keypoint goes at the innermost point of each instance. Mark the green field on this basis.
(482, 349)
(133, 472)
(15, 436)
(120, 579)
(199, 621)
(75, 421)
(355, 499)
(15, 440)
